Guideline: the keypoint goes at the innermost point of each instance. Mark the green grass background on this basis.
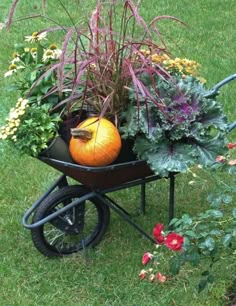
(109, 276)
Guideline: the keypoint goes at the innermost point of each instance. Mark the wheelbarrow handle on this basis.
(232, 126)
(215, 90)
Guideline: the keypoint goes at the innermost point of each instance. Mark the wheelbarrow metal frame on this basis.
(102, 195)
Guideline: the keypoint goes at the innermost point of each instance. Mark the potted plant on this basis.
(120, 68)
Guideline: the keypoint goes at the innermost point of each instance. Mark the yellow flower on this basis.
(3, 136)
(92, 66)
(156, 58)
(13, 121)
(36, 37)
(145, 52)
(17, 122)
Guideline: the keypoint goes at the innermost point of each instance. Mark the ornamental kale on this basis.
(181, 128)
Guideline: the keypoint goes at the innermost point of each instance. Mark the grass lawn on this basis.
(108, 275)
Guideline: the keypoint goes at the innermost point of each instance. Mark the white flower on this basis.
(33, 52)
(51, 54)
(57, 53)
(12, 69)
(36, 36)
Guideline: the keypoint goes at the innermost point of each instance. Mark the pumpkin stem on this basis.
(81, 133)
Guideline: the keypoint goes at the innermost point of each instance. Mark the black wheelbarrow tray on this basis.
(68, 218)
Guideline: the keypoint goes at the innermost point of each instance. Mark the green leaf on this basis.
(214, 116)
(39, 53)
(216, 213)
(208, 149)
(194, 258)
(205, 273)
(187, 219)
(227, 198)
(210, 243)
(215, 232)
(208, 278)
(227, 240)
(190, 233)
(202, 284)
(175, 265)
(164, 157)
(234, 212)
(232, 170)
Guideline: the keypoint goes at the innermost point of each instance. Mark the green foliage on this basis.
(32, 124)
(209, 234)
(39, 126)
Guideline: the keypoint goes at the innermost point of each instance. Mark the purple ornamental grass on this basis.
(107, 59)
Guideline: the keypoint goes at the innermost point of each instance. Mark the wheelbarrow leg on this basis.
(143, 197)
(171, 197)
(63, 182)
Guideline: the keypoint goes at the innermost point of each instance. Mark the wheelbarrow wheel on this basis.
(73, 230)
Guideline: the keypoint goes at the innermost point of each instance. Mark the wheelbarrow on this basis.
(69, 218)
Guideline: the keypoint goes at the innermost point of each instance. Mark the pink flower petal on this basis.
(161, 278)
(232, 162)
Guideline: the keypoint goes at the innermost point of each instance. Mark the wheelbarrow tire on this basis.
(81, 226)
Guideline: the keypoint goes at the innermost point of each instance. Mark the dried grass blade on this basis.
(60, 72)
(11, 13)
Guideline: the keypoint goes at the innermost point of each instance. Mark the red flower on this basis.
(158, 233)
(146, 258)
(161, 278)
(231, 145)
(174, 241)
(220, 159)
(142, 274)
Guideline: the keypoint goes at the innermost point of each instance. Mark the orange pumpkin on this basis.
(95, 142)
